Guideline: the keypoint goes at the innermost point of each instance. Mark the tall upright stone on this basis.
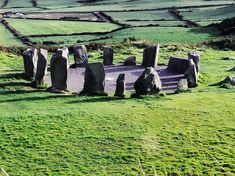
(121, 86)
(80, 55)
(30, 58)
(148, 83)
(195, 56)
(108, 56)
(94, 80)
(59, 69)
(150, 56)
(41, 68)
(192, 75)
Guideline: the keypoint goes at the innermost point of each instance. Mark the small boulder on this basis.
(59, 69)
(195, 56)
(108, 56)
(192, 75)
(178, 65)
(120, 87)
(229, 80)
(130, 61)
(30, 58)
(80, 55)
(148, 83)
(150, 56)
(41, 68)
(94, 80)
(182, 86)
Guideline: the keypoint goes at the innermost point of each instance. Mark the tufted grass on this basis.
(53, 134)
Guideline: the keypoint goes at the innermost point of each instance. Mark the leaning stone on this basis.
(150, 56)
(192, 75)
(30, 63)
(120, 87)
(182, 86)
(80, 55)
(94, 80)
(148, 83)
(59, 69)
(41, 68)
(108, 56)
(195, 56)
(178, 65)
(130, 61)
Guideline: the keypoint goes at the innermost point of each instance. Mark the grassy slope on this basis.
(27, 27)
(143, 4)
(162, 35)
(210, 13)
(50, 134)
(7, 38)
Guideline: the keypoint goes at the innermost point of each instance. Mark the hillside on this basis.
(172, 133)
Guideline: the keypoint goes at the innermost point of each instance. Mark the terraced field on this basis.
(42, 27)
(145, 19)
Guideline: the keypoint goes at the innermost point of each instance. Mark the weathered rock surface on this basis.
(130, 61)
(41, 68)
(192, 75)
(178, 65)
(30, 58)
(150, 56)
(182, 85)
(195, 56)
(120, 87)
(94, 80)
(108, 56)
(80, 56)
(59, 69)
(148, 83)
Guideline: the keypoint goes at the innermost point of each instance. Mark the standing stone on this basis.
(130, 61)
(30, 62)
(80, 55)
(150, 56)
(148, 83)
(59, 69)
(178, 65)
(121, 86)
(182, 85)
(41, 68)
(192, 75)
(94, 80)
(108, 56)
(195, 56)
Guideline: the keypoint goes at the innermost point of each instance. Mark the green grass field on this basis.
(161, 35)
(186, 134)
(27, 27)
(7, 38)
